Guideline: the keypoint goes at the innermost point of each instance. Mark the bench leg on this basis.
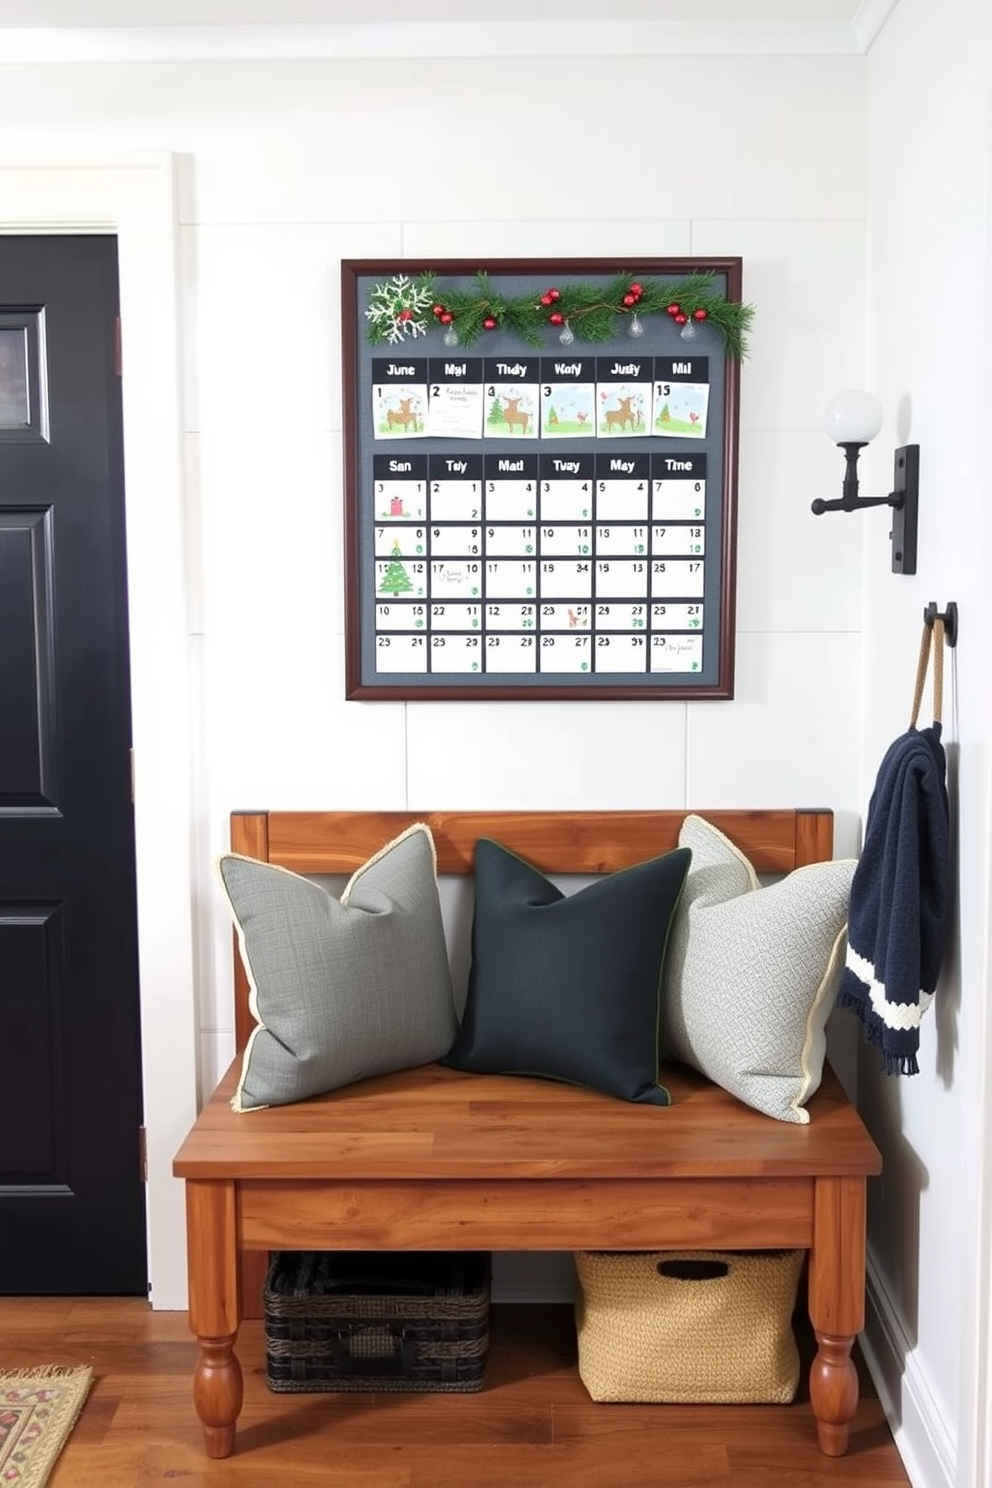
(217, 1391)
(214, 1288)
(836, 1306)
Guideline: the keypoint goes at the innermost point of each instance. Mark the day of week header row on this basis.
(559, 466)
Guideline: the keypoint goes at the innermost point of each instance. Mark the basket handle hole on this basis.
(693, 1270)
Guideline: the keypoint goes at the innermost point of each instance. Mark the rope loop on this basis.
(931, 640)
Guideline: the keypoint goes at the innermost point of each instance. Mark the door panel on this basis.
(71, 1196)
(27, 736)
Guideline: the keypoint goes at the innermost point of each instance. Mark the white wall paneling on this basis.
(286, 167)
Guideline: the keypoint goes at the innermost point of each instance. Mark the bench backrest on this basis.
(563, 842)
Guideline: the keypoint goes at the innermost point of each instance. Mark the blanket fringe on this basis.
(901, 1064)
(894, 1064)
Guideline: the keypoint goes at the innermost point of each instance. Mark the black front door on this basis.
(72, 1212)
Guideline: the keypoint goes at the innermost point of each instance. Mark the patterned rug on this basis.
(38, 1409)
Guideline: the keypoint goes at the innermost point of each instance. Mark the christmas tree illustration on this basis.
(495, 415)
(395, 580)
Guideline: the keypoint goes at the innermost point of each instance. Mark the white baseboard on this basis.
(924, 1439)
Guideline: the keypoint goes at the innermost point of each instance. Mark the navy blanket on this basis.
(899, 896)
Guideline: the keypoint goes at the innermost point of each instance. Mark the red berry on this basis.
(446, 317)
(637, 290)
(438, 310)
(672, 309)
(629, 300)
(489, 323)
(405, 314)
(555, 294)
(680, 319)
(556, 318)
(546, 299)
(699, 314)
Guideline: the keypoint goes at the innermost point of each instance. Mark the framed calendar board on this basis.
(541, 478)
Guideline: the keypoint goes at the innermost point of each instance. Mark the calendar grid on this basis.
(517, 574)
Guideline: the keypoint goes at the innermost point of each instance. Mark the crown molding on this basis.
(868, 20)
(126, 44)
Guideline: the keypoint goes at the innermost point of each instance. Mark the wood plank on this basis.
(563, 1215)
(554, 841)
(250, 837)
(432, 1123)
(814, 837)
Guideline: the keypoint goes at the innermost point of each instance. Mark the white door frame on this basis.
(135, 198)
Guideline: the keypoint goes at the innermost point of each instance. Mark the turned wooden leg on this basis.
(214, 1284)
(217, 1393)
(836, 1306)
(833, 1392)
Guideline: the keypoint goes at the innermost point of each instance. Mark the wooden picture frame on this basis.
(526, 518)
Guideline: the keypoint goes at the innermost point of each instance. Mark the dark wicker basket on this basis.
(377, 1320)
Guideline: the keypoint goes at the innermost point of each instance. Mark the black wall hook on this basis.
(949, 617)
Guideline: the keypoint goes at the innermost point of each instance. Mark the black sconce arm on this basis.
(904, 500)
(819, 506)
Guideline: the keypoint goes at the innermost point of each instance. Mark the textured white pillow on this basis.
(752, 973)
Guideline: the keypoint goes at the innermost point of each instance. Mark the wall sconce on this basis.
(853, 419)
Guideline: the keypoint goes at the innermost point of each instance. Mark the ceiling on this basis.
(76, 14)
(163, 30)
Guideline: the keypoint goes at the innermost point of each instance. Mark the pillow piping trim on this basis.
(236, 1102)
(797, 1103)
(732, 847)
(661, 972)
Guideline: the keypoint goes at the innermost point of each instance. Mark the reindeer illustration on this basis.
(514, 414)
(618, 417)
(404, 416)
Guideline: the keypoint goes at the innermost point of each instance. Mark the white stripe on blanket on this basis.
(898, 1015)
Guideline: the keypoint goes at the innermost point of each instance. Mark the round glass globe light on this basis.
(854, 417)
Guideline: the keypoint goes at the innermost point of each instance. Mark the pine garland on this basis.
(403, 307)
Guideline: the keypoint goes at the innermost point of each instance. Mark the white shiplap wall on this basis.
(285, 168)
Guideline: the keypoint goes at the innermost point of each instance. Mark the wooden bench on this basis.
(435, 1159)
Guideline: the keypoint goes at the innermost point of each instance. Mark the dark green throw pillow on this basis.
(568, 987)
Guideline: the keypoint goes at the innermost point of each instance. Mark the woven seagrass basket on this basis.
(703, 1327)
(390, 1321)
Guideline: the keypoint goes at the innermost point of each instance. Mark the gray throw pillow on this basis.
(341, 989)
(752, 973)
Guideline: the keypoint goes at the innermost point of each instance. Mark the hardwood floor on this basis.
(533, 1426)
